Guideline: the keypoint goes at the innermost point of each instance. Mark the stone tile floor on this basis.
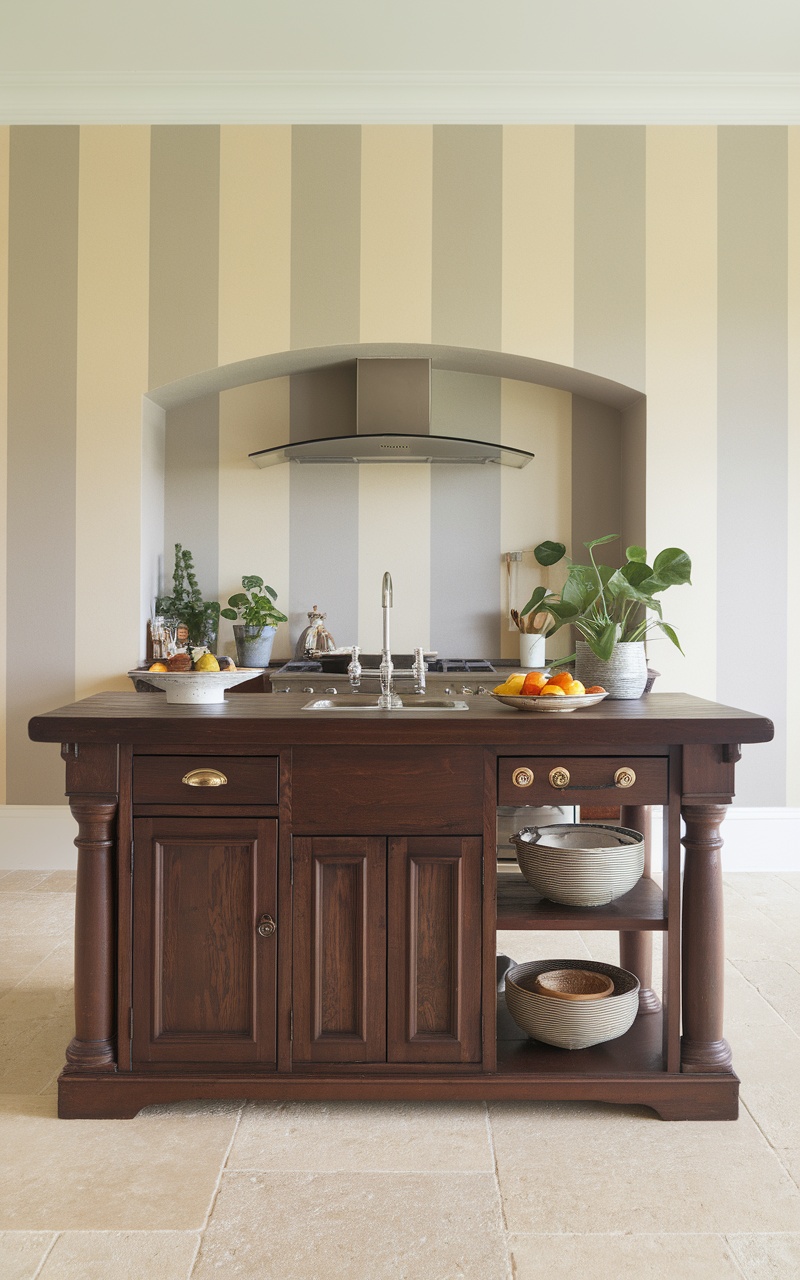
(373, 1191)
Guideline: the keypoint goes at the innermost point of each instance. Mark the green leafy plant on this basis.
(611, 606)
(256, 609)
(186, 604)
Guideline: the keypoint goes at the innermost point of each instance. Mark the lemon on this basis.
(207, 663)
(513, 685)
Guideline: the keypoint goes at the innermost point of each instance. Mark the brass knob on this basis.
(266, 927)
(205, 778)
(624, 777)
(522, 777)
(559, 777)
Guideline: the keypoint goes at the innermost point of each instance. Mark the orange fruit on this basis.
(534, 683)
(550, 690)
(595, 688)
(575, 689)
(563, 678)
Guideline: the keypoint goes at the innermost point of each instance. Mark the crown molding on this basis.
(308, 97)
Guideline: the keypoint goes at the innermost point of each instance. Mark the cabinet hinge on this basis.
(291, 1024)
(291, 867)
(130, 1024)
(132, 848)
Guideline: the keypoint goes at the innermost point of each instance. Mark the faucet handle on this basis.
(354, 668)
(419, 670)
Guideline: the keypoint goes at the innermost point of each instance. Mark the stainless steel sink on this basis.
(362, 702)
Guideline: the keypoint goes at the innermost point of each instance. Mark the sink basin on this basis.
(363, 702)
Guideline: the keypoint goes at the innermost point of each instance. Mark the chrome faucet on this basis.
(388, 699)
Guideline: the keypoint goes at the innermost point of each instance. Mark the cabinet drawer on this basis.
(190, 780)
(551, 780)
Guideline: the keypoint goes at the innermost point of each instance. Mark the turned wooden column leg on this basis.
(703, 1047)
(92, 1047)
(636, 947)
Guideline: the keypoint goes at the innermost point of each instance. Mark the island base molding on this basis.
(673, 1097)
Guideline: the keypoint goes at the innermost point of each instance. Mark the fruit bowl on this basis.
(522, 702)
(196, 686)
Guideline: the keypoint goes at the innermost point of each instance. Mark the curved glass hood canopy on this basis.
(374, 410)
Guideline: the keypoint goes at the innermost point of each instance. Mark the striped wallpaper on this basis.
(665, 258)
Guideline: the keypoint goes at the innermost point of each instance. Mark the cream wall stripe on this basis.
(4, 158)
(609, 252)
(682, 410)
(184, 314)
(113, 253)
(793, 566)
(396, 195)
(326, 263)
(752, 508)
(466, 309)
(43, 280)
(255, 203)
(538, 241)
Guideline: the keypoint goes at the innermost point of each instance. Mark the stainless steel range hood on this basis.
(374, 410)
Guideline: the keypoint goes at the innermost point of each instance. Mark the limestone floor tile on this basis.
(622, 1257)
(125, 1255)
(766, 1057)
(350, 1226)
(363, 1136)
(752, 935)
(20, 880)
(45, 991)
(767, 1257)
(522, 945)
(30, 915)
(777, 982)
(21, 1253)
(154, 1173)
(32, 1053)
(625, 1172)
(20, 955)
(56, 882)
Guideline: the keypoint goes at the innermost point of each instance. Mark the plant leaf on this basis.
(599, 542)
(239, 601)
(229, 613)
(672, 567)
(548, 553)
(251, 582)
(537, 598)
(637, 554)
(670, 633)
(636, 572)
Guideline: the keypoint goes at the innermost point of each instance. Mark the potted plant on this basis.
(612, 610)
(196, 619)
(255, 605)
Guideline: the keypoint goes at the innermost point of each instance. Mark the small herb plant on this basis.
(610, 606)
(256, 609)
(186, 604)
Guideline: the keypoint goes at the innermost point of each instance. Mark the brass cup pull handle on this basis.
(624, 777)
(522, 777)
(266, 927)
(205, 778)
(559, 777)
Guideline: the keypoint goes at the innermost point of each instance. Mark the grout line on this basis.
(215, 1192)
(778, 876)
(732, 1252)
(48, 1251)
(195, 1255)
(490, 1135)
(775, 1150)
(765, 998)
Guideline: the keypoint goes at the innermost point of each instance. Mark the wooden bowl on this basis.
(574, 984)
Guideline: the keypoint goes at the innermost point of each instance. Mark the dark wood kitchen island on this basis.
(276, 903)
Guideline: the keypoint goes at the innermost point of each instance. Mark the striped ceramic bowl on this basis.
(571, 1024)
(580, 864)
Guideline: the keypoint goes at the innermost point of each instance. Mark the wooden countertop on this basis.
(263, 720)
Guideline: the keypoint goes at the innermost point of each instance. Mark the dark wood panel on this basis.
(519, 906)
(204, 980)
(159, 779)
(434, 970)
(367, 790)
(591, 780)
(339, 931)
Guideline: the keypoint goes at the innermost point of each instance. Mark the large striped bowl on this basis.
(571, 1024)
(580, 864)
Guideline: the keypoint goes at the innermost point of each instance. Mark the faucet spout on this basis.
(388, 699)
(386, 591)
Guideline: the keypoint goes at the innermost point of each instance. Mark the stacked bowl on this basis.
(579, 864)
(571, 1023)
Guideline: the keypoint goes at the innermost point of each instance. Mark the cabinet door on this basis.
(204, 978)
(339, 960)
(434, 977)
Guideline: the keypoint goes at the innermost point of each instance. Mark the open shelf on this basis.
(639, 1051)
(521, 907)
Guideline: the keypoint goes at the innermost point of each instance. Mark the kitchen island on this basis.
(276, 903)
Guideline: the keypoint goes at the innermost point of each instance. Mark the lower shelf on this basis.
(640, 1051)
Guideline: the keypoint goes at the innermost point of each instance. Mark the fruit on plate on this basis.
(512, 685)
(574, 689)
(180, 662)
(562, 678)
(206, 663)
(552, 690)
(534, 683)
(158, 666)
(595, 688)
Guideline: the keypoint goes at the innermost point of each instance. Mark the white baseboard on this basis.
(39, 837)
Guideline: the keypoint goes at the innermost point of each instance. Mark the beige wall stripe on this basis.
(4, 146)
(394, 533)
(538, 240)
(396, 194)
(682, 410)
(113, 251)
(43, 261)
(793, 583)
(255, 210)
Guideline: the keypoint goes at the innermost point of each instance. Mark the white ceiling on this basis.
(76, 56)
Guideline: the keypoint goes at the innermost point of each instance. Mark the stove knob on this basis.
(447, 689)
(481, 689)
(309, 688)
(465, 688)
(331, 690)
(286, 690)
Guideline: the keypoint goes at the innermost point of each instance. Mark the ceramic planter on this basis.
(624, 675)
(253, 645)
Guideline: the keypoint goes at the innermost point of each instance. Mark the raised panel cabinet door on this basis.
(203, 973)
(434, 966)
(339, 949)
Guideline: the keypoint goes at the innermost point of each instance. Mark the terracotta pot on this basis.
(624, 675)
